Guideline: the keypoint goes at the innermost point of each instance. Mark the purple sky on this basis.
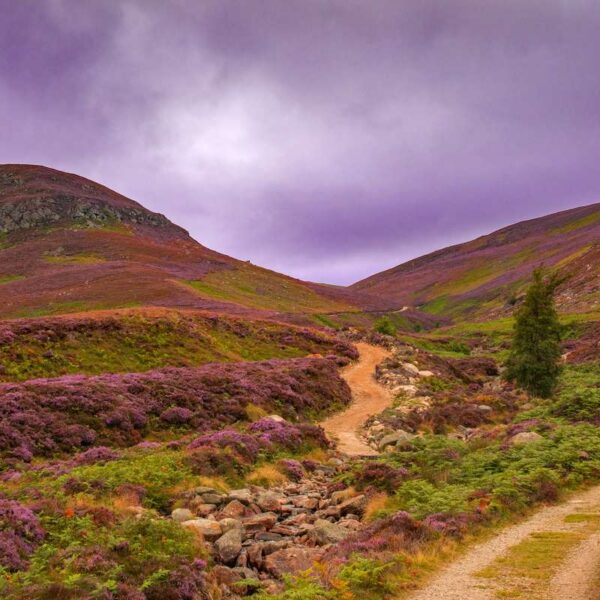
(328, 139)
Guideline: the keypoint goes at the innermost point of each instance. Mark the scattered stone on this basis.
(182, 514)
(229, 545)
(291, 560)
(356, 505)
(269, 501)
(325, 532)
(410, 368)
(243, 495)
(524, 438)
(234, 510)
(393, 439)
(210, 530)
(229, 524)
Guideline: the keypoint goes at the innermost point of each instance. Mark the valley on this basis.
(179, 424)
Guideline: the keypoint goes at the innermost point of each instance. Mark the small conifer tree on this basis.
(534, 362)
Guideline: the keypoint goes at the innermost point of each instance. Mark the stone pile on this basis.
(263, 534)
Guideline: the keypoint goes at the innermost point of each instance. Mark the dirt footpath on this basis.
(368, 398)
(574, 576)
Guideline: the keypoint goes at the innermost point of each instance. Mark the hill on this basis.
(486, 276)
(68, 244)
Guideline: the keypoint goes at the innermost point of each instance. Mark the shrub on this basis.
(385, 326)
(20, 534)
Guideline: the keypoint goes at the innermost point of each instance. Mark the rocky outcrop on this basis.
(32, 213)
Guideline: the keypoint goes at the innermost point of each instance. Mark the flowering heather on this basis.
(244, 444)
(45, 417)
(96, 455)
(292, 468)
(381, 476)
(454, 525)
(400, 532)
(20, 534)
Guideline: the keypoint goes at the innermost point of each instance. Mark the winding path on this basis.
(368, 399)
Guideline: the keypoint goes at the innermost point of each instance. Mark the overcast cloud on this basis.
(325, 139)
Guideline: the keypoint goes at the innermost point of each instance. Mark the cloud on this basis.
(326, 139)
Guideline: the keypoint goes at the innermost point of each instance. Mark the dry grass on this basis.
(377, 503)
(266, 476)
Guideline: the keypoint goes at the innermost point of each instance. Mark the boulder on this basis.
(276, 418)
(393, 439)
(243, 495)
(210, 530)
(524, 438)
(234, 510)
(260, 522)
(291, 560)
(229, 524)
(410, 368)
(356, 505)
(213, 498)
(270, 501)
(182, 514)
(229, 545)
(325, 532)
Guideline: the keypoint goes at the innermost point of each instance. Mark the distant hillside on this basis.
(486, 276)
(68, 244)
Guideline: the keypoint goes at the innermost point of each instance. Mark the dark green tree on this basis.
(534, 362)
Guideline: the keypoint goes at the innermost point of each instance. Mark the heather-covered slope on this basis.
(68, 244)
(140, 340)
(484, 277)
(45, 417)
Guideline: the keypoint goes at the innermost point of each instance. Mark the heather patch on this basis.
(20, 534)
(51, 347)
(54, 416)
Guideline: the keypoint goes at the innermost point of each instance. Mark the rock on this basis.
(410, 368)
(259, 523)
(354, 505)
(408, 390)
(182, 514)
(426, 374)
(394, 439)
(234, 510)
(305, 502)
(229, 524)
(210, 530)
(213, 498)
(203, 510)
(325, 532)
(229, 545)
(269, 501)
(203, 489)
(351, 524)
(225, 575)
(524, 438)
(484, 408)
(291, 560)
(243, 495)
(276, 418)
(245, 573)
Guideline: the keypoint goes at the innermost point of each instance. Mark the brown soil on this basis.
(369, 398)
